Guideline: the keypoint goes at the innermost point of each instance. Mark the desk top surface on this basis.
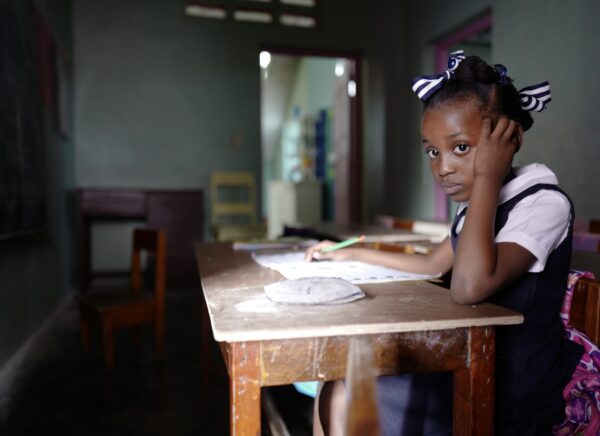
(239, 310)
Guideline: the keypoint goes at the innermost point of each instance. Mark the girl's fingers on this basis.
(504, 130)
(509, 131)
(314, 252)
(486, 128)
(310, 253)
(500, 127)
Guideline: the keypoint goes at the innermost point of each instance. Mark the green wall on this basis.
(558, 42)
(161, 96)
(35, 270)
(537, 40)
(320, 74)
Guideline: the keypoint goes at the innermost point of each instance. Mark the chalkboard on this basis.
(21, 140)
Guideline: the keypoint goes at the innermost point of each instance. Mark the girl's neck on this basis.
(509, 176)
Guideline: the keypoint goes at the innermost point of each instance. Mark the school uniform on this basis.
(534, 360)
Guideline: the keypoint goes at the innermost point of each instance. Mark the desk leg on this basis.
(474, 386)
(85, 256)
(244, 389)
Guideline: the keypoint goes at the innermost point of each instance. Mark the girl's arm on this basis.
(481, 266)
(438, 261)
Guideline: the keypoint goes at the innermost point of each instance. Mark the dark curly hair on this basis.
(475, 80)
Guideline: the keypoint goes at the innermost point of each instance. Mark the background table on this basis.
(414, 326)
(373, 233)
(180, 213)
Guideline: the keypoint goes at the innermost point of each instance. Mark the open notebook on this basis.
(293, 266)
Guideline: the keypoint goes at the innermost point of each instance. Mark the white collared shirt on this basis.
(538, 222)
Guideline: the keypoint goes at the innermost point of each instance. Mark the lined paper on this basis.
(293, 266)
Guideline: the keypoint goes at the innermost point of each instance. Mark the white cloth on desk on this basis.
(313, 290)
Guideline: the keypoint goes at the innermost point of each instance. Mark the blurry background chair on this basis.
(586, 235)
(586, 246)
(233, 206)
(585, 308)
(113, 310)
(587, 225)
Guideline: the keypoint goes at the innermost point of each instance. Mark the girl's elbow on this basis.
(466, 294)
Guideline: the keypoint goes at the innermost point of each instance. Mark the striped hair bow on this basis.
(535, 97)
(426, 86)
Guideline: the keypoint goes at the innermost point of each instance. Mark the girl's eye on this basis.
(432, 153)
(462, 148)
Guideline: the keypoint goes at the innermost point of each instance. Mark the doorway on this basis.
(310, 137)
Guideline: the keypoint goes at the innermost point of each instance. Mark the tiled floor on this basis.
(60, 390)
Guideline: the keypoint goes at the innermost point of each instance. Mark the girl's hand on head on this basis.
(495, 148)
(314, 252)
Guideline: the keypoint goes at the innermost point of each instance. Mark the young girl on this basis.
(510, 244)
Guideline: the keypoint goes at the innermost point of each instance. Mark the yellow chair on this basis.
(233, 206)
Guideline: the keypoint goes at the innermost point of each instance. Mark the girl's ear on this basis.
(518, 137)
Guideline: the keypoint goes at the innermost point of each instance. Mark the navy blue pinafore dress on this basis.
(534, 360)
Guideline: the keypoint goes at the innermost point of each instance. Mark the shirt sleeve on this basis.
(538, 223)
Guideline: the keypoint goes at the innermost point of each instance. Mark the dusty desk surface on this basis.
(239, 311)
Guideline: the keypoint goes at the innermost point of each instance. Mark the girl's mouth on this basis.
(450, 188)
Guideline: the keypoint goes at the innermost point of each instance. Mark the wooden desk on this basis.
(179, 212)
(413, 327)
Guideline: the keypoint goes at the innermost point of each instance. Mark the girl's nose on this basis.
(445, 166)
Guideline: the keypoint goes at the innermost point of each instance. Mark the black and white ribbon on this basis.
(426, 86)
(535, 97)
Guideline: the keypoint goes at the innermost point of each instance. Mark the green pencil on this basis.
(342, 244)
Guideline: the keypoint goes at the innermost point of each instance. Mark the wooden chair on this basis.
(585, 308)
(594, 226)
(111, 311)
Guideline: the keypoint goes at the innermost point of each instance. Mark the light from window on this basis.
(306, 3)
(205, 11)
(351, 88)
(253, 16)
(297, 20)
(339, 68)
(264, 59)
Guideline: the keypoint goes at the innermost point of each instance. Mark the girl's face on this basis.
(450, 134)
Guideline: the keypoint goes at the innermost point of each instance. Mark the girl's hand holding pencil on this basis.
(328, 250)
